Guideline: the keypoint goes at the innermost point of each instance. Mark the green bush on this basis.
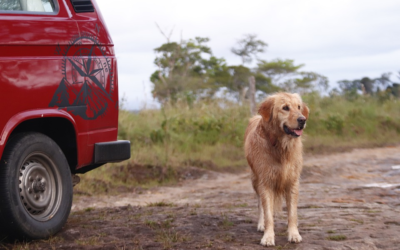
(334, 123)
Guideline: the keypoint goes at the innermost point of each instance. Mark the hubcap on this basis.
(40, 187)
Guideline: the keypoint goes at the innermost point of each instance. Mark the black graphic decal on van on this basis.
(87, 84)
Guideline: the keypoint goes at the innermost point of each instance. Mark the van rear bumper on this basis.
(104, 152)
(113, 151)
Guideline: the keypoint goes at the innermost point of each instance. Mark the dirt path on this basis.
(347, 201)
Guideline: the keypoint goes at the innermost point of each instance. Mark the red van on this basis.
(58, 112)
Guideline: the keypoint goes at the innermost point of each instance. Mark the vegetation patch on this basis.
(339, 237)
(160, 204)
(358, 221)
(226, 223)
(168, 237)
(88, 209)
(208, 135)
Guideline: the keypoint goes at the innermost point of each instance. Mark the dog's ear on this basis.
(305, 110)
(266, 108)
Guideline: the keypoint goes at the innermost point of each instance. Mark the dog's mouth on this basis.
(293, 132)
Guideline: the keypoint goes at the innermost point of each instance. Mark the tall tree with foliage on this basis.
(185, 70)
(272, 76)
(285, 75)
(247, 49)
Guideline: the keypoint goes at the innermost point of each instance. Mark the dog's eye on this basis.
(286, 108)
(299, 107)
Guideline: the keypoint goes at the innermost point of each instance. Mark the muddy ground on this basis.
(347, 201)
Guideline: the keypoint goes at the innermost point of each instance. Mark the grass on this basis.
(226, 223)
(210, 135)
(208, 244)
(151, 224)
(89, 209)
(168, 237)
(19, 246)
(241, 205)
(358, 221)
(181, 135)
(339, 237)
(52, 244)
(208, 132)
(228, 237)
(193, 212)
(160, 204)
(248, 221)
(91, 241)
(338, 124)
(373, 211)
(164, 224)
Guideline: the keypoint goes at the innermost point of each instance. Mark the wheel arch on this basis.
(56, 124)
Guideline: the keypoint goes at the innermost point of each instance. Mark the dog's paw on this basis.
(260, 227)
(268, 240)
(294, 238)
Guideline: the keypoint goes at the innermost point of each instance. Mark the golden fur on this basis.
(274, 153)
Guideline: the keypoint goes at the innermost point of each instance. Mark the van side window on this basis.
(27, 5)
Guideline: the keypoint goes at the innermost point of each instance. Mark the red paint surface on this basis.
(32, 60)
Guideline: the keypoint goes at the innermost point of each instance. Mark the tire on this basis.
(35, 187)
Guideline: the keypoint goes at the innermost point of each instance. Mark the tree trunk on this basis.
(252, 95)
(242, 95)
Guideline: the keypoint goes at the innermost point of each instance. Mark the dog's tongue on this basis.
(298, 131)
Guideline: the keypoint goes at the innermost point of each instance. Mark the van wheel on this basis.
(35, 187)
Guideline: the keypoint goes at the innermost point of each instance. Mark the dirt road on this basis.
(347, 201)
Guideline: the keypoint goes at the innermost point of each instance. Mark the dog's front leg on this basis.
(267, 201)
(292, 197)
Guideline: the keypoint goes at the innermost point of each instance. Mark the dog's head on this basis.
(285, 111)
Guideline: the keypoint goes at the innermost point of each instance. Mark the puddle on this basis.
(382, 185)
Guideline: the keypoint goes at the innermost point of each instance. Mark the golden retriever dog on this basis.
(274, 153)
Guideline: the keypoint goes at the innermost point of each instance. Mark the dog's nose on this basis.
(301, 120)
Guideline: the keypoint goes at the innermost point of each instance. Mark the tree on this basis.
(271, 76)
(184, 71)
(249, 46)
(369, 86)
(242, 77)
(365, 84)
(385, 82)
(237, 83)
(285, 75)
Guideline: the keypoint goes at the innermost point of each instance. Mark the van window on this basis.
(27, 5)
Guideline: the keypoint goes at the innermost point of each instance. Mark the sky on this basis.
(341, 39)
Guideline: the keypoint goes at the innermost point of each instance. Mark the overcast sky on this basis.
(341, 39)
